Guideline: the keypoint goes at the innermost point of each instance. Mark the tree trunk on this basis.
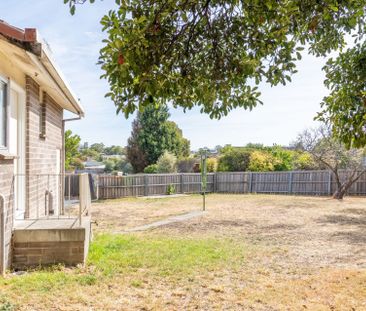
(339, 194)
(343, 187)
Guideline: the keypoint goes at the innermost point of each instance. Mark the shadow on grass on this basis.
(353, 237)
(355, 222)
(343, 220)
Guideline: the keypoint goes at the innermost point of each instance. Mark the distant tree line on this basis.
(76, 155)
(157, 145)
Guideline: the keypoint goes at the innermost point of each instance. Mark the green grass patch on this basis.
(161, 255)
(134, 255)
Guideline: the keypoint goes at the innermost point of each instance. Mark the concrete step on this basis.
(48, 242)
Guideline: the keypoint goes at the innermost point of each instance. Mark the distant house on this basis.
(33, 98)
(113, 157)
(93, 167)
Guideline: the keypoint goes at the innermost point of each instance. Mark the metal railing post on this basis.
(38, 207)
(97, 186)
(69, 188)
(2, 235)
(81, 196)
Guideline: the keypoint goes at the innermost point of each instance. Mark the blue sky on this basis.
(75, 42)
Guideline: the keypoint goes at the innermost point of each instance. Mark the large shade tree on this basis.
(153, 134)
(135, 155)
(213, 54)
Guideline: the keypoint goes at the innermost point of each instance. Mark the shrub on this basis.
(167, 163)
(151, 169)
(304, 161)
(170, 190)
(261, 161)
(186, 165)
(234, 160)
(109, 166)
(211, 165)
(282, 158)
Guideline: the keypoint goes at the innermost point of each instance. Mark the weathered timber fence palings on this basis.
(110, 187)
(290, 182)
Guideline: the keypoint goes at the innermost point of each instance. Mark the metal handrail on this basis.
(43, 185)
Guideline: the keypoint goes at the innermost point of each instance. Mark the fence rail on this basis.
(290, 182)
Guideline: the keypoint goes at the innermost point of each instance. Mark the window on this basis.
(3, 115)
(42, 117)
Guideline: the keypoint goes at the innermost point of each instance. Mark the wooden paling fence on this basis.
(150, 184)
(292, 182)
(72, 187)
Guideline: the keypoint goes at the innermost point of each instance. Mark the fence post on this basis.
(290, 182)
(97, 186)
(214, 190)
(329, 182)
(250, 182)
(146, 186)
(181, 183)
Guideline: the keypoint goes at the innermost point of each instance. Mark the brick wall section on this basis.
(33, 247)
(7, 190)
(41, 152)
(33, 254)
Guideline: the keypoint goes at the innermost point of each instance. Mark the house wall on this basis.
(42, 153)
(7, 167)
(6, 189)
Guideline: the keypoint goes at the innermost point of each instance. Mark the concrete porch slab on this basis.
(51, 223)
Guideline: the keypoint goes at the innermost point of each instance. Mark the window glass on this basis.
(3, 115)
(42, 117)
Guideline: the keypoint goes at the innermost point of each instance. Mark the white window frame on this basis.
(7, 82)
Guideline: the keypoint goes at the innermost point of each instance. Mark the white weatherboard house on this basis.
(33, 97)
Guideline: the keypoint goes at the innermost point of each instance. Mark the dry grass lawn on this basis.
(248, 252)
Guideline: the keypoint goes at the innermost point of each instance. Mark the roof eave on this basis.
(28, 39)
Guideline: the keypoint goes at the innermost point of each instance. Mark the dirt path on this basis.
(164, 222)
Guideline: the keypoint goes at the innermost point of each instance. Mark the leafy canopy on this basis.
(345, 106)
(72, 143)
(152, 134)
(213, 54)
